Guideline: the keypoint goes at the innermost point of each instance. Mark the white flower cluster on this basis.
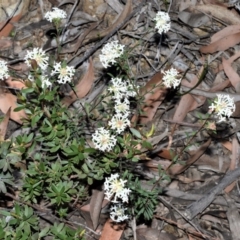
(223, 106)
(110, 52)
(115, 186)
(56, 13)
(121, 91)
(170, 78)
(39, 56)
(163, 22)
(65, 73)
(117, 213)
(103, 140)
(3, 70)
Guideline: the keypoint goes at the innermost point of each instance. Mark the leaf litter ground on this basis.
(202, 199)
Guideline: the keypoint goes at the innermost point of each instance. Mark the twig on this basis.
(9, 18)
(203, 93)
(197, 207)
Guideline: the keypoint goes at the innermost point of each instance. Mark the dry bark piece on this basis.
(197, 207)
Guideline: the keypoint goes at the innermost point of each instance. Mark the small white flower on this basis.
(45, 82)
(117, 213)
(115, 186)
(65, 73)
(121, 88)
(39, 56)
(55, 14)
(118, 88)
(122, 107)
(170, 78)
(119, 123)
(223, 106)
(110, 52)
(3, 70)
(163, 22)
(103, 140)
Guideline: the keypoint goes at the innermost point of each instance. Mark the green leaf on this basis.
(136, 133)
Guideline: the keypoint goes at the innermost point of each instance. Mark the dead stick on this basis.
(197, 207)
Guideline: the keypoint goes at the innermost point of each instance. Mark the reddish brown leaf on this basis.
(112, 231)
(83, 87)
(4, 124)
(220, 12)
(229, 30)
(178, 168)
(153, 94)
(15, 83)
(222, 44)
(7, 100)
(96, 206)
(234, 162)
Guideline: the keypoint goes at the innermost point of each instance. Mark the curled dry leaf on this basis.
(15, 83)
(153, 93)
(4, 124)
(82, 88)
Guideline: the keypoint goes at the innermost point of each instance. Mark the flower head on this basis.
(103, 140)
(115, 186)
(122, 107)
(110, 52)
(170, 78)
(121, 88)
(65, 73)
(3, 70)
(39, 56)
(119, 122)
(117, 213)
(223, 106)
(46, 82)
(163, 23)
(55, 14)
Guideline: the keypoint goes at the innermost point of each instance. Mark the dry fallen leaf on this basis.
(153, 93)
(234, 162)
(96, 206)
(8, 100)
(82, 88)
(4, 125)
(179, 168)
